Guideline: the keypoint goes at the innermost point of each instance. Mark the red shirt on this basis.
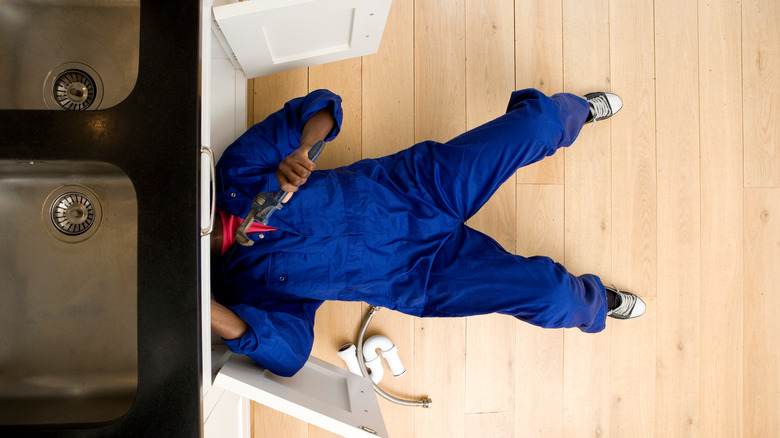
(229, 225)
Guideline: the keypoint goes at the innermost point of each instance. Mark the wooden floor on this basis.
(676, 198)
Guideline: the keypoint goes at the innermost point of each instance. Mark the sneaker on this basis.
(628, 305)
(602, 106)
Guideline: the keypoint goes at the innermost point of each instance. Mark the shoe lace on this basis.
(627, 302)
(601, 107)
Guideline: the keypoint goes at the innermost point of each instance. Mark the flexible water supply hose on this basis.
(426, 402)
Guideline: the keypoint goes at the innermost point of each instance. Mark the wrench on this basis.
(264, 205)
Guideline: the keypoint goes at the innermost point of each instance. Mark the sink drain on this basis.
(74, 90)
(74, 213)
(73, 86)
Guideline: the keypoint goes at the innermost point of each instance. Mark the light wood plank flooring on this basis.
(677, 198)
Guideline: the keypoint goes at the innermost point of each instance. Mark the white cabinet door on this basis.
(320, 393)
(269, 36)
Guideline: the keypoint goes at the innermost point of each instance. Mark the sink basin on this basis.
(68, 54)
(68, 269)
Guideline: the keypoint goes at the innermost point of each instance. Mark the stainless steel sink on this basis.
(68, 54)
(68, 276)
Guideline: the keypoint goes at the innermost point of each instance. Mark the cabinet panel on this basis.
(320, 393)
(268, 36)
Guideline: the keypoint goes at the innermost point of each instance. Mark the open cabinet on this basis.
(269, 36)
(321, 393)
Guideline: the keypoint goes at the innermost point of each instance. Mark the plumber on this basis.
(390, 231)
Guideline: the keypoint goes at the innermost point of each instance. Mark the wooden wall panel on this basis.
(633, 147)
(440, 373)
(440, 114)
(270, 93)
(399, 420)
(761, 101)
(388, 86)
(653, 200)
(337, 322)
(439, 69)
(494, 425)
(267, 422)
(539, 352)
(721, 153)
(388, 126)
(633, 154)
(539, 64)
(632, 375)
(762, 323)
(490, 79)
(679, 223)
(344, 79)
(588, 225)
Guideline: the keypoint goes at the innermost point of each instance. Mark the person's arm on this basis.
(297, 167)
(249, 165)
(279, 336)
(226, 323)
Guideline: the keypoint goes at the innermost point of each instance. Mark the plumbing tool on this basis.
(264, 205)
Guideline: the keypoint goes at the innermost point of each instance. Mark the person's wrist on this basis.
(307, 144)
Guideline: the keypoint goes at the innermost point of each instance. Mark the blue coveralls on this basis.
(390, 231)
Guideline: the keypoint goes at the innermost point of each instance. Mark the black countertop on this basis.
(154, 137)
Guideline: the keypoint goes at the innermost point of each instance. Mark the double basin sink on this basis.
(69, 259)
(85, 292)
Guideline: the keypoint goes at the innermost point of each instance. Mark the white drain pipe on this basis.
(348, 353)
(426, 402)
(389, 352)
(368, 350)
(374, 363)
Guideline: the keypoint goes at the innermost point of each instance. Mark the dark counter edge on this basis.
(154, 137)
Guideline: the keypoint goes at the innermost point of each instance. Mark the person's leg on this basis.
(463, 173)
(473, 275)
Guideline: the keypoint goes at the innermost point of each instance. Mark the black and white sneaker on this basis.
(627, 305)
(602, 106)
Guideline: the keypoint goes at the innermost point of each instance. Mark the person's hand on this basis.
(294, 171)
(297, 167)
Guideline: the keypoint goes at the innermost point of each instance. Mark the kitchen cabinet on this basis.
(321, 393)
(269, 36)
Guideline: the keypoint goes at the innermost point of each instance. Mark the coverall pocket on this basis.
(277, 277)
(303, 275)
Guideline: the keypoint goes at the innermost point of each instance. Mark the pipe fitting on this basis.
(375, 369)
(348, 353)
(389, 352)
(425, 403)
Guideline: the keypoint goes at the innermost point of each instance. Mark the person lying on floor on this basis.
(391, 231)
